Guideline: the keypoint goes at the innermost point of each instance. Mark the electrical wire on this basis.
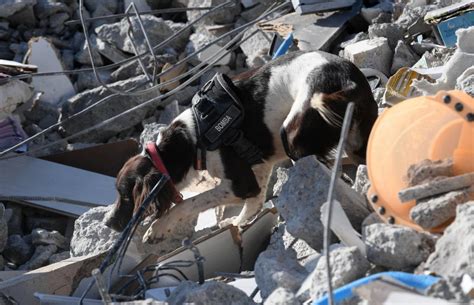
(3, 153)
(87, 109)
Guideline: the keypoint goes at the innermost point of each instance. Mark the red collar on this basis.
(160, 166)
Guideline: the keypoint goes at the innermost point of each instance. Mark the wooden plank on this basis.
(26, 176)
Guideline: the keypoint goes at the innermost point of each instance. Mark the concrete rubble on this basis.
(397, 248)
(59, 251)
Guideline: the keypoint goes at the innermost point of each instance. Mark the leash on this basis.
(126, 236)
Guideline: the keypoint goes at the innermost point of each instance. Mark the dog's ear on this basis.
(123, 206)
(161, 203)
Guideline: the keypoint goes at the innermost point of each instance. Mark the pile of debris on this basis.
(26, 244)
(141, 71)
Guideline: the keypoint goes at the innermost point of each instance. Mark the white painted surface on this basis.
(45, 56)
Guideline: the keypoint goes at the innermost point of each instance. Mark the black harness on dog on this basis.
(219, 115)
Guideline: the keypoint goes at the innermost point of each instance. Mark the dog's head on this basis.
(138, 176)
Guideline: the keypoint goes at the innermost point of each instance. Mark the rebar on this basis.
(26, 141)
(332, 186)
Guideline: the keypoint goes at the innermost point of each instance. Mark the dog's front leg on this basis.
(188, 211)
(253, 205)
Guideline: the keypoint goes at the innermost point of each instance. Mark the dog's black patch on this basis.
(177, 150)
(244, 183)
(342, 82)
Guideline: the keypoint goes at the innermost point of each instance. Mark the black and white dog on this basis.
(293, 106)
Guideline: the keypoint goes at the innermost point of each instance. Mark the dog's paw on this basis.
(227, 222)
(235, 221)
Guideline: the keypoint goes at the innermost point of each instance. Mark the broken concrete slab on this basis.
(427, 170)
(392, 31)
(281, 296)
(403, 57)
(396, 247)
(303, 195)
(88, 80)
(83, 56)
(278, 268)
(431, 212)
(448, 288)
(222, 16)
(45, 56)
(40, 110)
(17, 251)
(91, 236)
(313, 31)
(454, 249)
(371, 53)
(171, 111)
(133, 68)
(157, 29)
(59, 257)
(256, 48)
(40, 257)
(210, 293)
(110, 51)
(13, 93)
(208, 54)
(10, 7)
(362, 183)
(44, 237)
(282, 239)
(347, 265)
(104, 111)
(45, 8)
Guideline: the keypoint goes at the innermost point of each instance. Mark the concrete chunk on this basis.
(427, 170)
(403, 57)
(282, 296)
(110, 51)
(10, 7)
(393, 32)
(453, 253)
(371, 53)
(303, 194)
(157, 30)
(347, 265)
(210, 293)
(40, 257)
(278, 268)
(396, 247)
(434, 211)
